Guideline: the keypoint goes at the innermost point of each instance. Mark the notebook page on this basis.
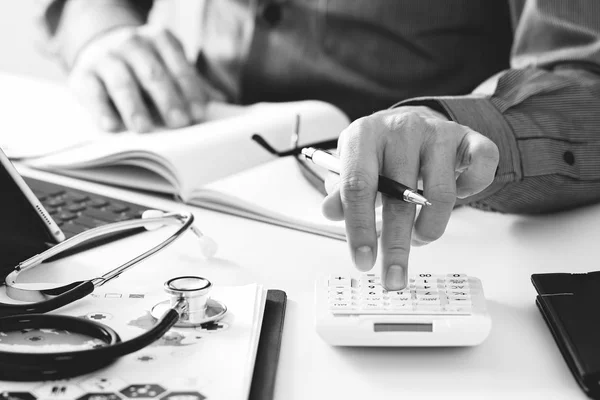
(212, 150)
(128, 176)
(275, 191)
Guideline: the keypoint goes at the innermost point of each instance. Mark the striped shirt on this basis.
(541, 106)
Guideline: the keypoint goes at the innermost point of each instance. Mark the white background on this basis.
(20, 45)
(22, 50)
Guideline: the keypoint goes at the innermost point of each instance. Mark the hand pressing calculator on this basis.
(434, 310)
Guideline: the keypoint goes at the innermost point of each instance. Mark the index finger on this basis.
(358, 189)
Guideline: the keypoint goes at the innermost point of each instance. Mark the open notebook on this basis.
(212, 361)
(215, 164)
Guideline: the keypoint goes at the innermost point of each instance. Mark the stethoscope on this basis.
(189, 305)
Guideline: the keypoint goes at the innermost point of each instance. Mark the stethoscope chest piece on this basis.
(189, 296)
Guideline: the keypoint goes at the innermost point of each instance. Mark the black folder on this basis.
(570, 304)
(269, 345)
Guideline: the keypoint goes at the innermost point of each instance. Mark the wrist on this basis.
(99, 46)
(423, 111)
(431, 104)
(84, 21)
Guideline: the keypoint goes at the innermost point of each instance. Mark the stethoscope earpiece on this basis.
(208, 246)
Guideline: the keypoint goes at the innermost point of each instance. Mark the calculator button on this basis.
(371, 287)
(428, 300)
(427, 288)
(341, 306)
(425, 281)
(372, 299)
(457, 281)
(339, 291)
(372, 306)
(399, 293)
(371, 293)
(400, 299)
(459, 301)
(464, 297)
(426, 292)
(455, 292)
(370, 279)
(340, 298)
(456, 276)
(457, 288)
(340, 281)
(425, 276)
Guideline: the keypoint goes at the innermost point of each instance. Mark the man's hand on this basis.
(139, 77)
(406, 144)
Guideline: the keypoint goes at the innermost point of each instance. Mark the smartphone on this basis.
(26, 228)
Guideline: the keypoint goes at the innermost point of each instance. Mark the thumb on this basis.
(332, 206)
(478, 159)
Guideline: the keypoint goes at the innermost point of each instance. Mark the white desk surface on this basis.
(519, 360)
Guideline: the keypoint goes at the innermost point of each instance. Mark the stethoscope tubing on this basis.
(75, 293)
(20, 366)
(16, 366)
(186, 220)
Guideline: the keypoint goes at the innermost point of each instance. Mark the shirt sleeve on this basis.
(66, 26)
(544, 114)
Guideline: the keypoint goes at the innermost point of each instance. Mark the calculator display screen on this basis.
(401, 327)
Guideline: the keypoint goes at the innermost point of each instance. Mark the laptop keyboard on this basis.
(76, 211)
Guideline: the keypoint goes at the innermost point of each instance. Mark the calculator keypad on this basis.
(426, 294)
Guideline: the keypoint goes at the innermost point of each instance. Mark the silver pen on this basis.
(385, 185)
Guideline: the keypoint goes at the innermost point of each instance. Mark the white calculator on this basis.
(434, 310)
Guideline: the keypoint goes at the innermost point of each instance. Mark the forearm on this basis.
(546, 125)
(71, 24)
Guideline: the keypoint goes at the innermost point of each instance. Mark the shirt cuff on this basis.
(478, 113)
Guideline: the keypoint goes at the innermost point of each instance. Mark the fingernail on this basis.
(108, 124)
(141, 124)
(198, 111)
(363, 258)
(177, 118)
(395, 279)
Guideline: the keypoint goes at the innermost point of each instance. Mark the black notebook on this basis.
(570, 305)
(267, 357)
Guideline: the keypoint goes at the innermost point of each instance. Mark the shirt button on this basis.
(569, 157)
(272, 13)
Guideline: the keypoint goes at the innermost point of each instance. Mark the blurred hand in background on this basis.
(139, 78)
